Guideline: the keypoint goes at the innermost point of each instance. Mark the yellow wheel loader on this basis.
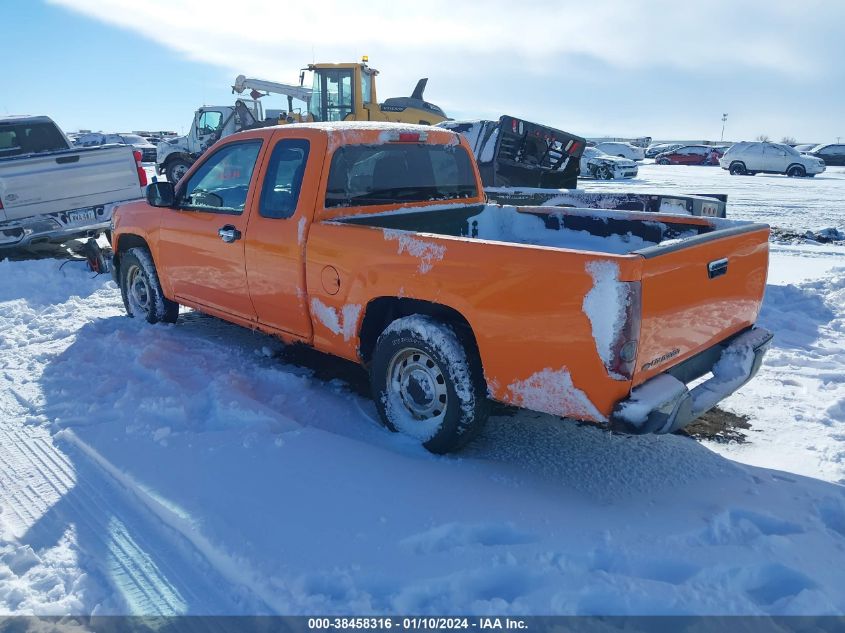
(345, 92)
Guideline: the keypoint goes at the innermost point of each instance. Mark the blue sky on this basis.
(640, 67)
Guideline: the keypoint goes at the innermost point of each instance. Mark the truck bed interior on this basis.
(582, 229)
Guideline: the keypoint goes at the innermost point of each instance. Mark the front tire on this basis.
(662, 161)
(176, 169)
(796, 171)
(428, 384)
(604, 173)
(737, 169)
(141, 289)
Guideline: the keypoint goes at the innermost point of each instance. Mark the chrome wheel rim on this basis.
(420, 384)
(138, 290)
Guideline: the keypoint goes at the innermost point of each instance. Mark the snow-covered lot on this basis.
(201, 468)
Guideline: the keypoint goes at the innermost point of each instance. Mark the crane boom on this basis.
(243, 83)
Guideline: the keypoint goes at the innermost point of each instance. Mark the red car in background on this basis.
(691, 155)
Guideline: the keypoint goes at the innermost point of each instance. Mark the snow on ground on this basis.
(791, 203)
(193, 469)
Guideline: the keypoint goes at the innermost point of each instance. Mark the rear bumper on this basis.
(53, 227)
(664, 404)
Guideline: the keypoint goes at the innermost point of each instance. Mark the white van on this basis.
(769, 158)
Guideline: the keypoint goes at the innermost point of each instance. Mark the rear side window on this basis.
(363, 175)
(221, 183)
(283, 181)
(30, 138)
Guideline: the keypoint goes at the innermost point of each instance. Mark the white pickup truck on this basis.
(51, 191)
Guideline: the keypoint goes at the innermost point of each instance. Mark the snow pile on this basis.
(605, 305)
(552, 391)
(427, 252)
(507, 224)
(344, 323)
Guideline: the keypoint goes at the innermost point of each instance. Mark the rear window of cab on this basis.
(363, 175)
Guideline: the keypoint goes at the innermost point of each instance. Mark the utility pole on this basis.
(724, 119)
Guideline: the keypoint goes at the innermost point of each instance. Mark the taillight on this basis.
(573, 149)
(142, 175)
(623, 349)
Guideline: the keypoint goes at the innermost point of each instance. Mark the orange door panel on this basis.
(201, 243)
(278, 226)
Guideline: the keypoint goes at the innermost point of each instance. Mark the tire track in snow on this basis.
(151, 567)
(143, 588)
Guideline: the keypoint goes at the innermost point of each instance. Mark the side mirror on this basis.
(161, 194)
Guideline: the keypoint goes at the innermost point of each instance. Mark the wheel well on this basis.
(124, 243)
(177, 156)
(736, 162)
(382, 311)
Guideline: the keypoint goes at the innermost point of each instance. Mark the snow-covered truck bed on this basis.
(374, 243)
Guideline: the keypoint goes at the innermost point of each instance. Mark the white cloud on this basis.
(529, 56)
(274, 39)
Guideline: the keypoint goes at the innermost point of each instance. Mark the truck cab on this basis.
(211, 123)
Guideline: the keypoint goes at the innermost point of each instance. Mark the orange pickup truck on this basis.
(374, 242)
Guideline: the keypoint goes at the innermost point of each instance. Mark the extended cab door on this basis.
(278, 229)
(201, 246)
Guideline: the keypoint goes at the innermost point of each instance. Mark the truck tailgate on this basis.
(697, 294)
(72, 179)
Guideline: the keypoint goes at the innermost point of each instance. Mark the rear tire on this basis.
(796, 171)
(737, 169)
(428, 384)
(141, 289)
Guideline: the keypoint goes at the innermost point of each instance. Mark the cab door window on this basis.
(221, 183)
(283, 180)
(337, 93)
(209, 122)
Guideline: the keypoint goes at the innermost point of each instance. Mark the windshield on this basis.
(383, 174)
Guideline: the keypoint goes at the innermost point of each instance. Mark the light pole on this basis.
(724, 119)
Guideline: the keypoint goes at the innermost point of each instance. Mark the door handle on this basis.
(229, 233)
(717, 268)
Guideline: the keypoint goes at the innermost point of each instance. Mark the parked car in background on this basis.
(94, 139)
(690, 155)
(53, 192)
(805, 147)
(749, 158)
(623, 150)
(597, 164)
(831, 153)
(661, 148)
